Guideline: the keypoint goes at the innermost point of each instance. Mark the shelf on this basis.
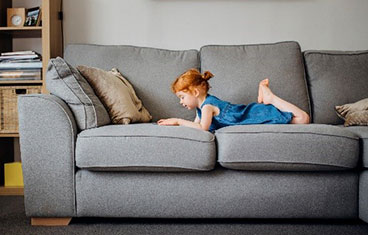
(22, 82)
(27, 28)
(11, 191)
(9, 135)
(22, 32)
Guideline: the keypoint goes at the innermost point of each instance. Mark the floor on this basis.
(14, 221)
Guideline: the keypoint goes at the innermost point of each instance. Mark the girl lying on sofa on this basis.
(212, 113)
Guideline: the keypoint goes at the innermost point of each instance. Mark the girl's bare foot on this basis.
(266, 93)
(264, 82)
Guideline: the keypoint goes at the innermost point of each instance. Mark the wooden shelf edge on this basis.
(11, 191)
(20, 28)
(22, 81)
(9, 135)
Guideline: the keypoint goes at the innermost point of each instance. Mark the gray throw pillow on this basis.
(354, 114)
(68, 84)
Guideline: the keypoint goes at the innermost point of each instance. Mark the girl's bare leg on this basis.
(266, 96)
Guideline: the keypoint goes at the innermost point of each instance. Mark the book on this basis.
(20, 61)
(20, 78)
(20, 73)
(18, 57)
(21, 65)
(18, 53)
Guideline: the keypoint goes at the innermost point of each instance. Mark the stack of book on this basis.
(20, 65)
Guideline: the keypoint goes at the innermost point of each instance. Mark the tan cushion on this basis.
(354, 114)
(117, 94)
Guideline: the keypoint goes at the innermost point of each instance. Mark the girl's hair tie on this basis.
(207, 75)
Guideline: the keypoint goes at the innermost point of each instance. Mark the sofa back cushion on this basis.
(151, 72)
(335, 78)
(239, 69)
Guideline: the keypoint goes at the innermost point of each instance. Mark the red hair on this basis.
(190, 80)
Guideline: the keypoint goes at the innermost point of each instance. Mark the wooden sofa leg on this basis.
(36, 221)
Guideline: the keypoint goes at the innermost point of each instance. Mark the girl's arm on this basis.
(196, 120)
(204, 124)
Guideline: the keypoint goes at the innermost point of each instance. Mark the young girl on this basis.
(212, 113)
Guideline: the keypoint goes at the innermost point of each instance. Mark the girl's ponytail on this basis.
(207, 75)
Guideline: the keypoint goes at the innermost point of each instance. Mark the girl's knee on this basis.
(306, 119)
(303, 119)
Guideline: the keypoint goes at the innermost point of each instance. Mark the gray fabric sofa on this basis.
(255, 171)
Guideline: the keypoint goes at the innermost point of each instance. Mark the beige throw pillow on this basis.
(117, 94)
(354, 114)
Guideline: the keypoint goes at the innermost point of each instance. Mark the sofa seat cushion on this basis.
(312, 147)
(145, 147)
(362, 132)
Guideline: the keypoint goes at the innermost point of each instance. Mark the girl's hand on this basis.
(168, 122)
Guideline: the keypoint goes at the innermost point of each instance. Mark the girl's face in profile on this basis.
(187, 99)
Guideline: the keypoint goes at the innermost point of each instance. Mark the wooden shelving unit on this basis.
(50, 34)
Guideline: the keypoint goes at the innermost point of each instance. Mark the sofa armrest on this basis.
(47, 132)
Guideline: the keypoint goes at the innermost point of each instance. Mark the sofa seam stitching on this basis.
(115, 166)
(90, 100)
(163, 137)
(291, 163)
(259, 44)
(129, 46)
(305, 133)
(335, 54)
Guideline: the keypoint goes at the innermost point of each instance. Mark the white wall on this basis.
(184, 24)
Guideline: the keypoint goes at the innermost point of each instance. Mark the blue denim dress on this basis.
(240, 114)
